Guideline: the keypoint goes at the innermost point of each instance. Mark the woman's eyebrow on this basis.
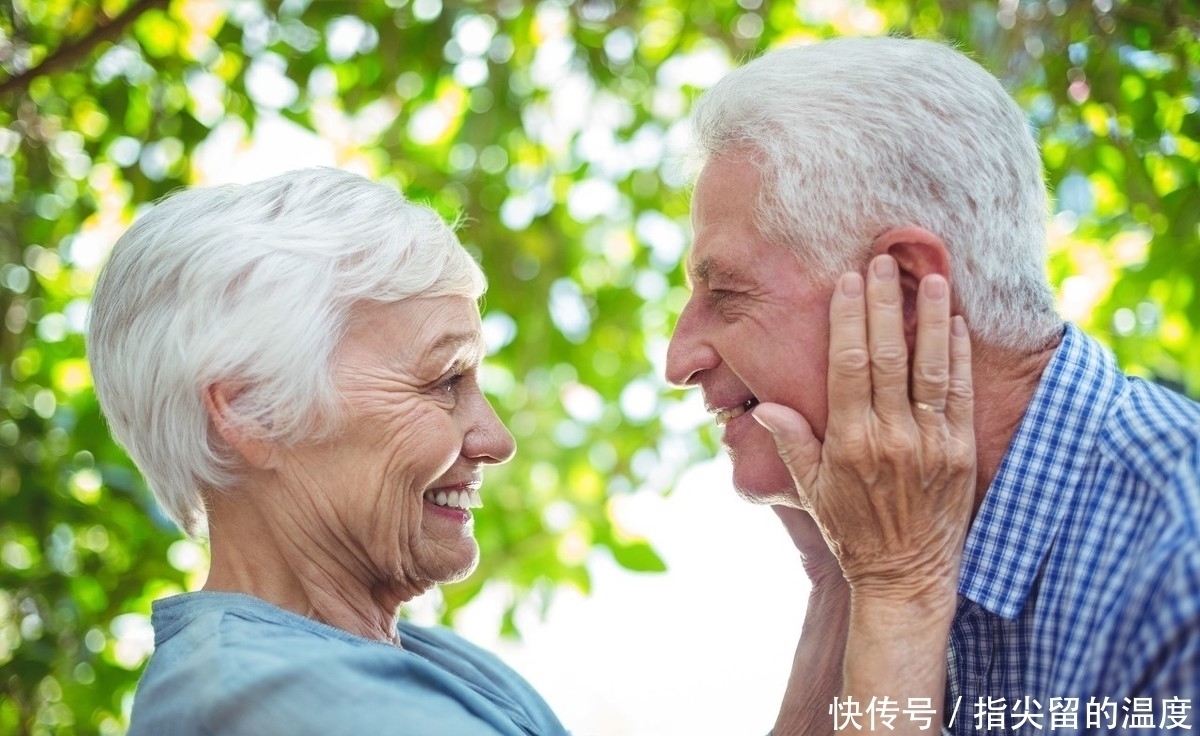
(451, 342)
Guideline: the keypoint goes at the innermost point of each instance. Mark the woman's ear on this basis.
(244, 434)
(918, 253)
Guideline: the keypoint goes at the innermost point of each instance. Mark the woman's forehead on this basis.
(418, 330)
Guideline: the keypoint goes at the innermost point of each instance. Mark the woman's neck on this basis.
(271, 554)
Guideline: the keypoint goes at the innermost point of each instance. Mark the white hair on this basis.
(250, 286)
(856, 136)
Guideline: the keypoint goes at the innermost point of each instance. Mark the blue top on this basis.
(228, 664)
(1079, 605)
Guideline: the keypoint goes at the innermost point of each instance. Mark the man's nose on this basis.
(689, 352)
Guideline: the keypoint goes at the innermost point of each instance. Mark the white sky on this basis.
(704, 648)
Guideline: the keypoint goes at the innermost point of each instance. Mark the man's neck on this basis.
(1005, 382)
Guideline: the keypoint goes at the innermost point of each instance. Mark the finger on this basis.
(802, 528)
(960, 394)
(931, 354)
(849, 379)
(795, 443)
(886, 340)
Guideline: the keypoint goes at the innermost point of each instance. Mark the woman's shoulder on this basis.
(483, 673)
(228, 663)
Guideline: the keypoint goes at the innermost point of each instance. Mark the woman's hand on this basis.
(886, 500)
(891, 489)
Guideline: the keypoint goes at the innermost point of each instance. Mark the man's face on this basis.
(753, 329)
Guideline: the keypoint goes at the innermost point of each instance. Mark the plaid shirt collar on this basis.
(1037, 485)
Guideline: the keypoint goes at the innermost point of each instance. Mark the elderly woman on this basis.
(293, 366)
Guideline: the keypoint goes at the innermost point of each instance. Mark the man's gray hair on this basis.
(250, 286)
(855, 136)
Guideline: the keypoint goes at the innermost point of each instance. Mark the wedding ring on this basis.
(921, 405)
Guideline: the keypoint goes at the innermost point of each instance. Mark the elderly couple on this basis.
(1001, 530)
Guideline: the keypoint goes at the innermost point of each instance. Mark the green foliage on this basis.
(551, 129)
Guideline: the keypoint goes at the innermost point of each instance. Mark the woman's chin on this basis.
(464, 571)
(450, 563)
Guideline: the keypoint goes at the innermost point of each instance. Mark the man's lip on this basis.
(727, 415)
(725, 402)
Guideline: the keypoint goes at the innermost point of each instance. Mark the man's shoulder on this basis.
(1146, 407)
(1153, 433)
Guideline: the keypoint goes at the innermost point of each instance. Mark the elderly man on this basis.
(1076, 605)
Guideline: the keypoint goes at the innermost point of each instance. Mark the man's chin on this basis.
(759, 476)
(765, 494)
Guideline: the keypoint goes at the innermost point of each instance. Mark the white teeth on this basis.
(467, 498)
(725, 416)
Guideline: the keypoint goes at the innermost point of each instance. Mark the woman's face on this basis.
(415, 432)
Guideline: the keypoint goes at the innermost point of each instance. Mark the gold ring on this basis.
(921, 405)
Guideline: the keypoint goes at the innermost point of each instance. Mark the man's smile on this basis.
(725, 416)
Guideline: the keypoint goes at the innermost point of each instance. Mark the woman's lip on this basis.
(472, 486)
(461, 516)
(464, 497)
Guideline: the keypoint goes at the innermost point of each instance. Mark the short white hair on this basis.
(855, 136)
(250, 286)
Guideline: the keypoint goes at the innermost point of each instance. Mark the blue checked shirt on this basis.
(1079, 601)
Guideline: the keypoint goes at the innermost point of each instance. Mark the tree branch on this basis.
(68, 55)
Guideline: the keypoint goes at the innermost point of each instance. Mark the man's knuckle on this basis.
(889, 355)
(851, 359)
(931, 374)
(960, 390)
(896, 447)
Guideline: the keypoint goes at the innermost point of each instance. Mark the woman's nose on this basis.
(489, 441)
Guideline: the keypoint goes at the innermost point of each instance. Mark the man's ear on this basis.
(245, 435)
(918, 253)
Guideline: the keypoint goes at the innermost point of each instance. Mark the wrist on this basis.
(914, 617)
(931, 593)
(896, 647)
(825, 575)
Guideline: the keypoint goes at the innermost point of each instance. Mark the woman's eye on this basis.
(450, 383)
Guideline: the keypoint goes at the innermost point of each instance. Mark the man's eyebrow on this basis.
(708, 268)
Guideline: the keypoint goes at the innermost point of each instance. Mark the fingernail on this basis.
(885, 267)
(852, 285)
(935, 287)
(958, 326)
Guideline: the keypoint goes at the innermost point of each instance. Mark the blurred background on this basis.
(618, 571)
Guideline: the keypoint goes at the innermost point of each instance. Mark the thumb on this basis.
(794, 441)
